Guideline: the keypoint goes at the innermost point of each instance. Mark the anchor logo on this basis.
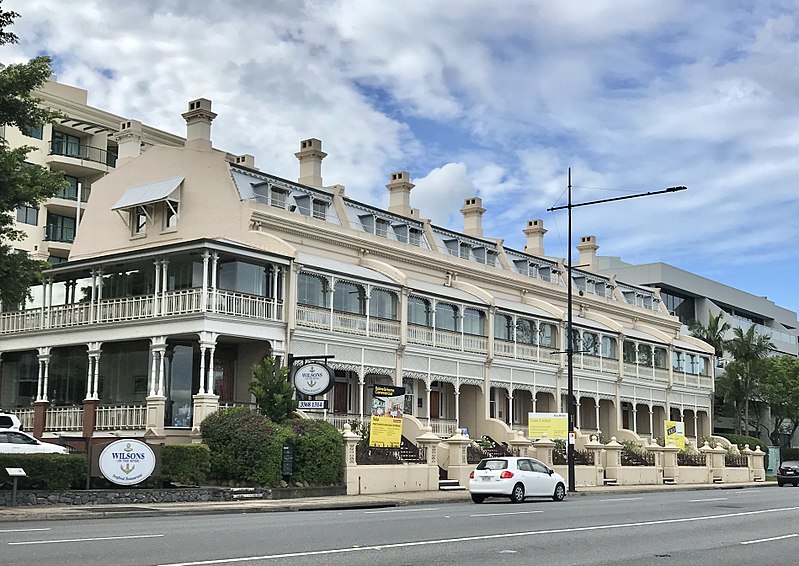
(311, 382)
(127, 468)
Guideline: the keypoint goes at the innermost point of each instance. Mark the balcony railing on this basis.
(173, 303)
(64, 419)
(55, 233)
(79, 151)
(25, 417)
(530, 352)
(348, 323)
(121, 417)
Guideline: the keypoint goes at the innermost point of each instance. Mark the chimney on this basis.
(535, 237)
(587, 249)
(311, 156)
(473, 216)
(198, 124)
(400, 193)
(128, 141)
(245, 160)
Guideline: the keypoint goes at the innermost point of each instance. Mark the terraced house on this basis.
(191, 264)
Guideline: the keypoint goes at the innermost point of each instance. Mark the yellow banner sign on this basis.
(553, 425)
(675, 432)
(385, 432)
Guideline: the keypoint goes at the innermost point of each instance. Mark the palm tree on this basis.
(713, 333)
(749, 349)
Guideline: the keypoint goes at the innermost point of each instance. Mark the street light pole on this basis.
(570, 310)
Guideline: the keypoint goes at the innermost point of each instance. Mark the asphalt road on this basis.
(749, 526)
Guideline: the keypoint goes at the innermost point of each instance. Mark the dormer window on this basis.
(170, 215)
(277, 197)
(381, 227)
(320, 209)
(139, 221)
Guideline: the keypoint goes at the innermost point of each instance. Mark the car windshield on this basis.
(492, 465)
(790, 464)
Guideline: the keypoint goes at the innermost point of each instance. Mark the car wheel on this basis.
(794, 484)
(560, 493)
(478, 498)
(779, 483)
(517, 495)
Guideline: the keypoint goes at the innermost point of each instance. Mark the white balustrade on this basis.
(420, 335)
(64, 419)
(25, 417)
(121, 417)
(383, 328)
(314, 317)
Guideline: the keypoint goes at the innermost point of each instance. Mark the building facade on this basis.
(191, 265)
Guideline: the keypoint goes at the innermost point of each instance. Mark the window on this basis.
(591, 344)
(55, 260)
(28, 215)
(170, 215)
(70, 192)
(138, 221)
(526, 332)
(60, 228)
(418, 311)
(549, 335)
(368, 223)
(678, 361)
(629, 352)
(312, 290)
(661, 355)
(383, 304)
(474, 322)
(33, 131)
(503, 327)
(608, 347)
(65, 144)
(381, 227)
(645, 354)
(349, 297)
(242, 277)
(446, 317)
(277, 197)
(415, 237)
(320, 209)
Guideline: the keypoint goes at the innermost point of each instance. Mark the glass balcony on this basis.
(69, 148)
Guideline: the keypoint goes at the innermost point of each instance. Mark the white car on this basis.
(18, 442)
(516, 478)
(9, 421)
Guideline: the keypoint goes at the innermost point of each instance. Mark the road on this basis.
(745, 526)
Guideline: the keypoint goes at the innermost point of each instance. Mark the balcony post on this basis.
(89, 416)
(39, 417)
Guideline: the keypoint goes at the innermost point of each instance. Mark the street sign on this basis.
(312, 404)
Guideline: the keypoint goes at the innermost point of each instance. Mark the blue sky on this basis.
(495, 100)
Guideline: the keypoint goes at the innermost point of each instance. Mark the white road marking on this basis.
(400, 510)
(82, 539)
(769, 539)
(708, 499)
(622, 499)
(480, 537)
(503, 514)
(21, 530)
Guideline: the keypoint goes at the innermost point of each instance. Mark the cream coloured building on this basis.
(191, 264)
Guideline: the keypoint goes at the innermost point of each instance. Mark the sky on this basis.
(490, 99)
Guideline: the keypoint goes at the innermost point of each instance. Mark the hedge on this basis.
(52, 472)
(319, 452)
(246, 448)
(186, 464)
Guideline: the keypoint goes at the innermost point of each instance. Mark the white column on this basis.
(95, 388)
(161, 368)
(367, 298)
(157, 295)
(651, 423)
(696, 425)
(214, 269)
(89, 379)
(153, 371)
(46, 376)
(204, 298)
(202, 368)
(276, 272)
(93, 298)
(457, 404)
(164, 284)
(427, 402)
(635, 418)
(40, 380)
(578, 419)
(210, 384)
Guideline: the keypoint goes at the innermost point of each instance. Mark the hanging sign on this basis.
(313, 378)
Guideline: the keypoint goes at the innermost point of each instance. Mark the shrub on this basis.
(319, 452)
(274, 395)
(741, 440)
(186, 464)
(245, 447)
(53, 472)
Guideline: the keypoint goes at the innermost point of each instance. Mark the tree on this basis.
(23, 184)
(274, 395)
(713, 333)
(749, 350)
(780, 389)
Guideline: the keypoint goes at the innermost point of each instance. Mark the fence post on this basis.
(657, 450)
(671, 471)
(428, 442)
(459, 467)
(543, 449)
(519, 444)
(613, 459)
(594, 447)
(756, 457)
(707, 451)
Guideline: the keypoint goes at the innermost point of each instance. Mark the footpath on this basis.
(338, 502)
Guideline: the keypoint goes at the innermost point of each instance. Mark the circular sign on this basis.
(127, 462)
(313, 378)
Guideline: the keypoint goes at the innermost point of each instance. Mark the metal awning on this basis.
(340, 267)
(148, 194)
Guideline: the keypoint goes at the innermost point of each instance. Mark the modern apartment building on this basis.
(83, 147)
(191, 264)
